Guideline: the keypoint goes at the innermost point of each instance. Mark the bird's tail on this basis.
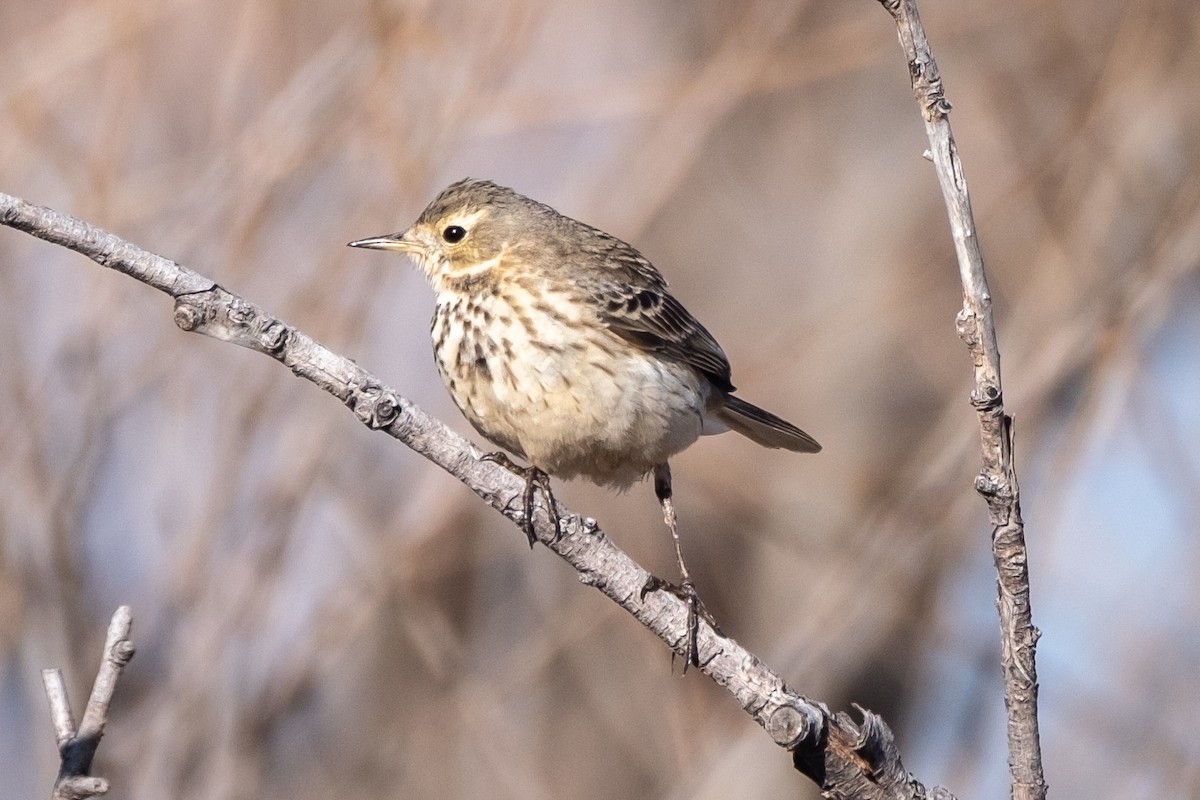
(764, 427)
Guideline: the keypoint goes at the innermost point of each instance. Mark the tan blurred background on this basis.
(319, 612)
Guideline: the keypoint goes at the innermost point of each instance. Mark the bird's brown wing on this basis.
(631, 298)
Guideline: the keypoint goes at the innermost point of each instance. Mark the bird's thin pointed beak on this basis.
(390, 242)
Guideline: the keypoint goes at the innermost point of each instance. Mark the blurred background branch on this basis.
(280, 545)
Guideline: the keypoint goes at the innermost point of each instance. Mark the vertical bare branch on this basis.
(77, 748)
(997, 480)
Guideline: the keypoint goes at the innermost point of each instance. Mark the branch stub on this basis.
(788, 726)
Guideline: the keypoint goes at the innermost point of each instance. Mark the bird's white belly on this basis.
(566, 393)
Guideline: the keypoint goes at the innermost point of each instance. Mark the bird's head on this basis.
(463, 232)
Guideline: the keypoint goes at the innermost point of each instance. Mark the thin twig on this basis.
(77, 748)
(60, 706)
(846, 759)
(117, 652)
(997, 480)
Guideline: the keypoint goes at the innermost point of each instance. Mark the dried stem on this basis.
(997, 480)
(844, 758)
(77, 748)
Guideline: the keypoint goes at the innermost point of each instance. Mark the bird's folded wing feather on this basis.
(632, 300)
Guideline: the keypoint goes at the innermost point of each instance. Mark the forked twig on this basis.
(77, 748)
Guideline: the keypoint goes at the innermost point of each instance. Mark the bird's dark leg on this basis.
(662, 490)
(686, 590)
(534, 479)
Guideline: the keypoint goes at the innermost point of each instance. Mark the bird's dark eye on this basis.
(454, 234)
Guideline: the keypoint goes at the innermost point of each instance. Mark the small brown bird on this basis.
(562, 345)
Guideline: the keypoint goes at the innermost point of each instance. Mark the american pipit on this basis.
(562, 345)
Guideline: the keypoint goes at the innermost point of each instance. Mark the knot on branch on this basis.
(891, 6)
(122, 652)
(375, 406)
(790, 725)
(927, 86)
(187, 315)
(966, 322)
(987, 485)
(274, 337)
(221, 315)
(997, 492)
(240, 313)
(987, 397)
(253, 328)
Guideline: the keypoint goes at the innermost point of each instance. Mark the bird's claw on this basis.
(534, 479)
(685, 591)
